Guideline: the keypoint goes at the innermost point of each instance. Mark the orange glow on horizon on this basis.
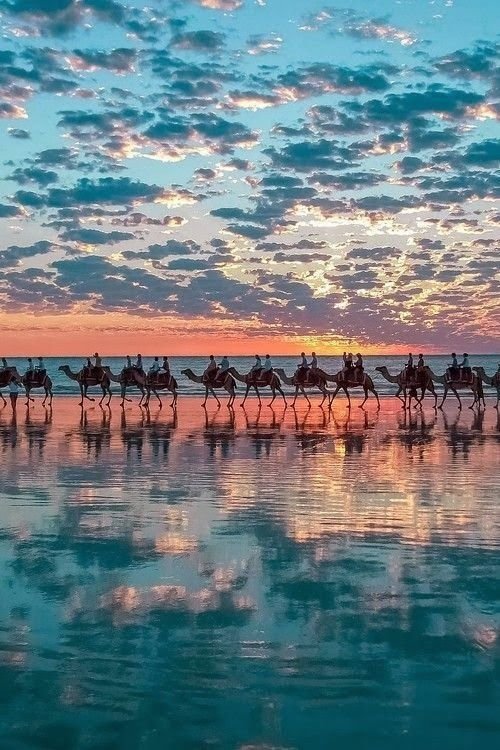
(116, 334)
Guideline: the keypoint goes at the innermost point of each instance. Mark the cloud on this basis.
(14, 255)
(198, 41)
(18, 133)
(220, 4)
(95, 236)
(62, 16)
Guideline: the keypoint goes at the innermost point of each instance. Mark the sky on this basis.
(247, 175)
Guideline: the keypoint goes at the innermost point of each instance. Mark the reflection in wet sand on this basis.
(248, 577)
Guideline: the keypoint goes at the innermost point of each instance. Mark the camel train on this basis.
(413, 383)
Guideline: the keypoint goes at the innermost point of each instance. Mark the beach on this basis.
(250, 577)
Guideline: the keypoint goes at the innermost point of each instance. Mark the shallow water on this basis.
(249, 579)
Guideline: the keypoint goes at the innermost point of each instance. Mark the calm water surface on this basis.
(249, 579)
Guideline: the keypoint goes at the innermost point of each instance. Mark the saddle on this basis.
(35, 379)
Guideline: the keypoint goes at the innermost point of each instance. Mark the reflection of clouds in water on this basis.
(348, 553)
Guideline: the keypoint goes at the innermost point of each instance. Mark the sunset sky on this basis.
(270, 174)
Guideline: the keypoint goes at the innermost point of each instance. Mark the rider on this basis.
(303, 368)
(313, 364)
(224, 364)
(97, 370)
(257, 368)
(138, 364)
(87, 369)
(421, 369)
(453, 371)
(410, 368)
(268, 368)
(155, 368)
(30, 372)
(4, 366)
(165, 366)
(465, 367)
(358, 368)
(40, 368)
(211, 371)
(346, 370)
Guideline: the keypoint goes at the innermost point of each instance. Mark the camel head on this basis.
(382, 369)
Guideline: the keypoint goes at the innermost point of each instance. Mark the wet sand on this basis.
(249, 578)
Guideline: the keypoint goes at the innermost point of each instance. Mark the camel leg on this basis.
(273, 391)
(157, 396)
(232, 396)
(365, 398)
(258, 394)
(245, 396)
(376, 396)
(346, 391)
(5, 402)
(305, 395)
(333, 396)
(84, 395)
(283, 395)
(457, 397)
(296, 394)
(325, 395)
(498, 398)
(215, 396)
(444, 397)
(174, 400)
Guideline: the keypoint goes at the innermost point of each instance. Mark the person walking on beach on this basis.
(13, 392)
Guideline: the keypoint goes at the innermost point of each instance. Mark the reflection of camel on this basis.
(494, 381)
(36, 431)
(95, 436)
(312, 380)
(217, 433)
(155, 383)
(342, 382)
(462, 438)
(475, 385)
(227, 382)
(160, 433)
(273, 383)
(5, 378)
(126, 380)
(262, 435)
(403, 386)
(88, 381)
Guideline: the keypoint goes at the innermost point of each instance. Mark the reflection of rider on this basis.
(211, 370)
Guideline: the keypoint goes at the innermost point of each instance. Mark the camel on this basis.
(156, 383)
(227, 382)
(475, 385)
(90, 381)
(403, 386)
(494, 381)
(5, 377)
(33, 382)
(313, 380)
(126, 380)
(262, 382)
(366, 383)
